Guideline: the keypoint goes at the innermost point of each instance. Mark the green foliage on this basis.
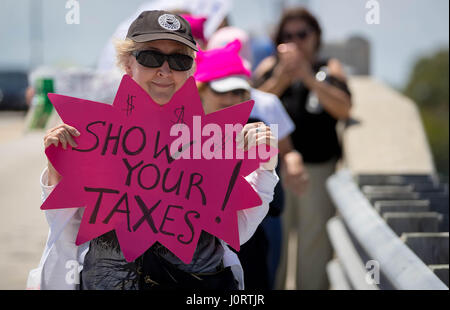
(428, 86)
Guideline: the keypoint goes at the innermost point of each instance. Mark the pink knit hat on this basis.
(197, 26)
(225, 35)
(224, 67)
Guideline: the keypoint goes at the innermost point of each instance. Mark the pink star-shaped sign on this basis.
(154, 173)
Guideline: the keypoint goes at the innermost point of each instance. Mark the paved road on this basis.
(23, 228)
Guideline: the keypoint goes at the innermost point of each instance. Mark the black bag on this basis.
(159, 274)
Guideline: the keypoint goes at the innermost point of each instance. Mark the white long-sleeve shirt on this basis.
(62, 260)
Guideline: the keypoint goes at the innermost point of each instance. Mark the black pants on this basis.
(253, 257)
(158, 274)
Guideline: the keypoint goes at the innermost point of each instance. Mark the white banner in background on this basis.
(214, 10)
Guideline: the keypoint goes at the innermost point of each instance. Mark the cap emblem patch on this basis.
(169, 22)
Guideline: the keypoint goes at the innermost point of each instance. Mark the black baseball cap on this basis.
(161, 25)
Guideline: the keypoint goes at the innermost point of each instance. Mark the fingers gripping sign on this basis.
(63, 134)
(258, 134)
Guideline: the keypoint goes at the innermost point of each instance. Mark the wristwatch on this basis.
(321, 75)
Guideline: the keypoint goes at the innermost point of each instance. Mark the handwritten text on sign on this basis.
(133, 176)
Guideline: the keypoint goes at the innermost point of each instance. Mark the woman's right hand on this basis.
(293, 64)
(296, 177)
(289, 57)
(60, 134)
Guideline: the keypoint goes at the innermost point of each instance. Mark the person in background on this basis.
(315, 94)
(268, 108)
(198, 28)
(223, 81)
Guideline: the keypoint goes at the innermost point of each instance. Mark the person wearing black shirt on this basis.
(315, 95)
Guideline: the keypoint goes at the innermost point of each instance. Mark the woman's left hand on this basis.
(304, 69)
(255, 134)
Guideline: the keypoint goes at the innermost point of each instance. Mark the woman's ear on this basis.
(193, 69)
(128, 67)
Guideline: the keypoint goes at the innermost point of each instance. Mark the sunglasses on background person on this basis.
(302, 35)
(155, 59)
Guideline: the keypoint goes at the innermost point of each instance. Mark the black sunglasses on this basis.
(154, 59)
(302, 35)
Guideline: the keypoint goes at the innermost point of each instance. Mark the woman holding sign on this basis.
(158, 53)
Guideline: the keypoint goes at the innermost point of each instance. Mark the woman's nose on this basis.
(230, 99)
(164, 69)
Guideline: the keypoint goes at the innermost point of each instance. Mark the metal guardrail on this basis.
(373, 239)
(351, 264)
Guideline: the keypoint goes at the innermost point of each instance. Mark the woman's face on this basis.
(305, 38)
(213, 101)
(160, 83)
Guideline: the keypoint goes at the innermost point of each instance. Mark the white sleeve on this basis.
(285, 124)
(46, 189)
(60, 249)
(263, 182)
(270, 110)
(57, 219)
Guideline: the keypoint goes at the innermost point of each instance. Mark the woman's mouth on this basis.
(162, 85)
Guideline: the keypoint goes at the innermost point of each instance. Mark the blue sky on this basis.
(408, 29)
